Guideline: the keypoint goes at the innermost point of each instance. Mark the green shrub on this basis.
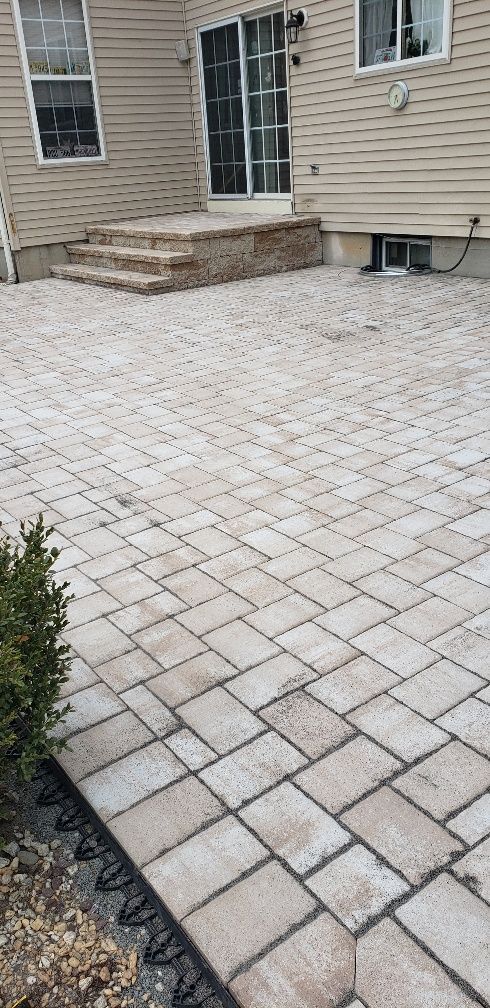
(33, 661)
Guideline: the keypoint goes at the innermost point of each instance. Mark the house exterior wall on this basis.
(146, 118)
(423, 171)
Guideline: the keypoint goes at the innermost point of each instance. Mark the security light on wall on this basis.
(296, 20)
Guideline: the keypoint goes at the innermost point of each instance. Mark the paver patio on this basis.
(273, 499)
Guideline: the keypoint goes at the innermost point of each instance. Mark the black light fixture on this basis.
(295, 21)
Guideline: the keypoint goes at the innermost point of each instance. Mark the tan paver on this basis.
(454, 924)
(345, 775)
(190, 749)
(317, 647)
(96, 703)
(436, 689)
(446, 781)
(241, 645)
(396, 650)
(276, 527)
(382, 819)
(357, 886)
(270, 680)
(169, 643)
(353, 684)
(191, 678)
(150, 710)
(296, 829)
(474, 870)
(241, 922)
(197, 869)
(130, 779)
(313, 967)
(309, 725)
(98, 642)
(392, 970)
(470, 721)
(473, 823)
(252, 769)
(96, 747)
(399, 729)
(166, 819)
(221, 720)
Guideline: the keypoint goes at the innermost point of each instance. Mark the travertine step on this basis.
(120, 257)
(130, 280)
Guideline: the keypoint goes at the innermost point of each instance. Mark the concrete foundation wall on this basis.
(476, 263)
(33, 262)
(346, 248)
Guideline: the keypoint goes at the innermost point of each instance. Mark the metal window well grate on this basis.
(192, 983)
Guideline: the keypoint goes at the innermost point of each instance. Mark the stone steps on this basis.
(130, 280)
(129, 258)
(178, 251)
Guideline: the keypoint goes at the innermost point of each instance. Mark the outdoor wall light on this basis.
(294, 22)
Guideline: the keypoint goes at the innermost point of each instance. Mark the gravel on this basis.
(60, 941)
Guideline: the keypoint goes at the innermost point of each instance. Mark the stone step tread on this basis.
(201, 225)
(143, 255)
(127, 279)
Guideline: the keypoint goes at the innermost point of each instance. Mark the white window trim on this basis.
(240, 19)
(28, 78)
(400, 64)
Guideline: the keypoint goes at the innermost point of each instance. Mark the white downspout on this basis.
(5, 239)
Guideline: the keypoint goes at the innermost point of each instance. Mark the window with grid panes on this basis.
(397, 30)
(60, 78)
(268, 103)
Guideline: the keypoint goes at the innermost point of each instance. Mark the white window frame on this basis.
(30, 78)
(240, 19)
(402, 64)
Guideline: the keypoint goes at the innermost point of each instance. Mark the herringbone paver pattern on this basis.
(273, 499)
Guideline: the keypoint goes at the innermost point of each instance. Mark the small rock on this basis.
(11, 848)
(69, 937)
(69, 915)
(28, 857)
(84, 983)
(101, 1002)
(4, 862)
(3, 940)
(31, 980)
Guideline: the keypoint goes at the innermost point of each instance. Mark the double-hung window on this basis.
(59, 73)
(394, 31)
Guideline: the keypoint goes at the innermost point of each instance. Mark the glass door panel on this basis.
(268, 104)
(222, 82)
(247, 134)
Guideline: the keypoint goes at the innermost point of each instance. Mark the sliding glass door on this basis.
(244, 90)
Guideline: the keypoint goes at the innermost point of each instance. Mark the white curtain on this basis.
(427, 19)
(378, 28)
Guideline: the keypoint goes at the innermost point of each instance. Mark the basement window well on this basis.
(398, 254)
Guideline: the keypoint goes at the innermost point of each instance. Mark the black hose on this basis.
(430, 269)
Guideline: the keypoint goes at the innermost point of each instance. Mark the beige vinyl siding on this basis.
(146, 118)
(424, 170)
